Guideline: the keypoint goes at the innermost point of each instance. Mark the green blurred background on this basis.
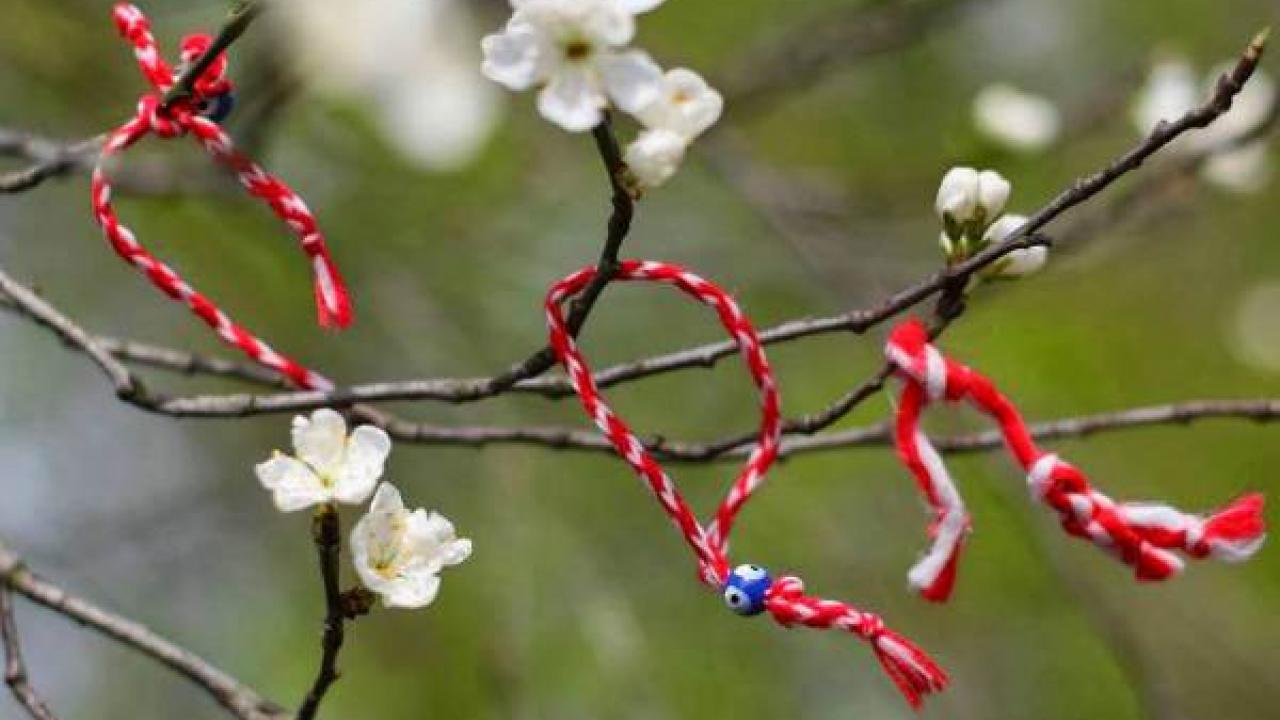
(580, 602)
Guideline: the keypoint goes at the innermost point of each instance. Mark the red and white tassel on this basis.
(1143, 535)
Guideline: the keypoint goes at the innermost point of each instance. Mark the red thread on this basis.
(1140, 534)
(914, 673)
(333, 303)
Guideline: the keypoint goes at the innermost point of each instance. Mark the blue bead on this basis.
(217, 108)
(746, 589)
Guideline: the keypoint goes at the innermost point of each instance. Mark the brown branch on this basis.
(468, 390)
(49, 159)
(606, 267)
(241, 700)
(326, 533)
(1261, 410)
(15, 670)
(237, 22)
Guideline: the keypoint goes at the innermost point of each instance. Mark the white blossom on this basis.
(1016, 119)
(686, 105)
(1020, 262)
(410, 63)
(399, 553)
(966, 195)
(655, 156)
(329, 465)
(575, 52)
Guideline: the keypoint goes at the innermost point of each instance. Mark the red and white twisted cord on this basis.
(1142, 535)
(182, 117)
(910, 668)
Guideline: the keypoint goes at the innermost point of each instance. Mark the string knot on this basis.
(165, 123)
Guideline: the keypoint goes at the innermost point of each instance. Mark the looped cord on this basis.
(914, 673)
(185, 116)
(1140, 534)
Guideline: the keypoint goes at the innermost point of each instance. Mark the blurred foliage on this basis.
(580, 602)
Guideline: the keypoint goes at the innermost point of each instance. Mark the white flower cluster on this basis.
(577, 54)
(1171, 90)
(398, 553)
(971, 206)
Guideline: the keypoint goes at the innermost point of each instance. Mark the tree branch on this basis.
(1261, 410)
(237, 22)
(15, 670)
(238, 698)
(326, 533)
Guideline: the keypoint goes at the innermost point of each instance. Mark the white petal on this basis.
(686, 105)
(1015, 119)
(637, 7)
(370, 537)
(632, 79)
(292, 483)
(993, 193)
(320, 441)
(513, 57)
(572, 100)
(655, 156)
(1024, 261)
(958, 194)
(415, 590)
(1004, 227)
(456, 552)
(362, 466)
(387, 500)
(607, 22)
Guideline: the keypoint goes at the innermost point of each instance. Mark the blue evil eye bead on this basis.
(746, 588)
(217, 108)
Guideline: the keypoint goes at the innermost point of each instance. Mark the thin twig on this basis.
(15, 670)
(49, 159)
(241, 700)
(237, 22)
(326, 534)
(606, 267)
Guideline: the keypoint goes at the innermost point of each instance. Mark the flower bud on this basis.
(1020, 262)
(967, 195)
(655, 156)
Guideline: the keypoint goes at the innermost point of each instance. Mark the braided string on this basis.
(911, 670)
(1142, 535)
(186, 116)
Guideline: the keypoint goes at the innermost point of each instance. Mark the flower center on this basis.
(577, 50)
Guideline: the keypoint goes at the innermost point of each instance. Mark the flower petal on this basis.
(632, 79)
(320, 440)
(387, 500)
(292, 483)
(572, 100)
(687, 105)
(513, 57)
(655, 156)
(637, 7)
(414, 590)
(362, 465)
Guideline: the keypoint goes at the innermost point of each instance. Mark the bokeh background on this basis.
(451, 205)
